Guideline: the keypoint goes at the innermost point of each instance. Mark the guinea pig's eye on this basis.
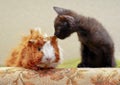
(39, 48)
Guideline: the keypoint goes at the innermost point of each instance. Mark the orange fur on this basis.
(26, 54)
(54, 43)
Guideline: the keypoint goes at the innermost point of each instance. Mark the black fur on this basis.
(97, 47)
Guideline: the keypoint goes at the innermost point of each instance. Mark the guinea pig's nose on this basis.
(48, 59)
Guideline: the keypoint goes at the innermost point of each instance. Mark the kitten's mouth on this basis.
(60, 36)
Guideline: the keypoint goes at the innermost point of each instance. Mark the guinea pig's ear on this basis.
(61, 11)
(31, 31)
(30, 42)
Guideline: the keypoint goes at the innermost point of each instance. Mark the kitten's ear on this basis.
(61, 11)
(69, 18)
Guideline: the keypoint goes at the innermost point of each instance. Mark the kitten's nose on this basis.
(56, 33)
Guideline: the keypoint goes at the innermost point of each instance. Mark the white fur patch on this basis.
(45, 35)
(38, 29)
(48, 52)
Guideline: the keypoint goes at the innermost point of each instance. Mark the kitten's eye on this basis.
(59, 27)
(65, 23)
(39, 48)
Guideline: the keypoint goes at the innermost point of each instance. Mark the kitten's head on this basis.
(65, 23)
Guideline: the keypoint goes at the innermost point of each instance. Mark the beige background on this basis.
(18, 16)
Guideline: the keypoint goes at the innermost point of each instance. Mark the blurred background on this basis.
(17, 17)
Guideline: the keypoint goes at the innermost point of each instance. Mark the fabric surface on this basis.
(71, 76)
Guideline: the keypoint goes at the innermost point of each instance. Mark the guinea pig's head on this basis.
(52, 54)
(44, 51)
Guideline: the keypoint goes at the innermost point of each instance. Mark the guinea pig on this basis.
(36, 51)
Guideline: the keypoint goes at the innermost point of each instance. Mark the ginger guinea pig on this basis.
(36, 51)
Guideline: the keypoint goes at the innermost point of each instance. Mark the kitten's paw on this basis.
(81, 65)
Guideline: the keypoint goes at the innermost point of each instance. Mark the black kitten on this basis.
(97, 47)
